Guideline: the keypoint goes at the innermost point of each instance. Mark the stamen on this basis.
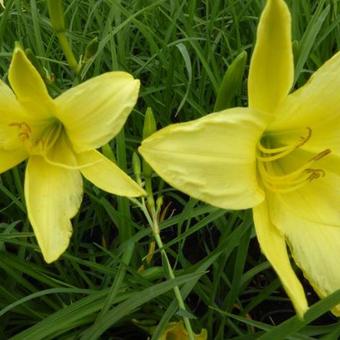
(50, 137)
(295, 179)
(23, 136)
(284, 150)
(297, 184)
(304, 140)
(281, 185)
(273, 150)
(321, 155)
(279, 179)
(286, 189)
(277, 156)
(41, 139)
(25, 130)
(315, 173)
(22, 125)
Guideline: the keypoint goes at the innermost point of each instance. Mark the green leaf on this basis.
(231, 83)
(294, 324)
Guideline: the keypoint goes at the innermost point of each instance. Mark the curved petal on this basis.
(273, 246)
(53, 196)
(9, 159)
(315, 105)
(96, 110)
(29, 87)
(316, 200)
(106, 175)
(271, 71)
(315, 249)
(211, 158)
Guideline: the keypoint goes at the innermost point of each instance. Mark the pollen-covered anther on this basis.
(304, 139)
(321, 155)
(315, 173)
(24, 130)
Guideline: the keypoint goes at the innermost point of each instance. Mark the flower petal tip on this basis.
(141, 192)
(52, 255)
(136, 191)
(140, 148)
(301, 310)
(50, 258)
(18, 49)
(336, 311)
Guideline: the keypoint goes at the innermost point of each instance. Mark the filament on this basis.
(295, 179)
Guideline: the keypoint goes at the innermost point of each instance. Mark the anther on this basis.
(25, 130)
(24, 136)
(304, 140)
(23, 126)
(315, 174)
(321, 155)
(291, 181)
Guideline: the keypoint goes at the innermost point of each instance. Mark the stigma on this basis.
(268, 163)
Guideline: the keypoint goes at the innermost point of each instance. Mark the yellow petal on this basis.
(272, 66)
(211, 158)
(318, 200)
(10, 113)
(106, 175)
(273, 246)
(177, 331)
(9, 159)
(29, 87)
(53, 196)
(315, 249)
(95, 111)
(315, 105)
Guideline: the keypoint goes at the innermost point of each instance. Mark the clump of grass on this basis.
(180, 50)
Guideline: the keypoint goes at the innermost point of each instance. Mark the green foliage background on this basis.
(180, 49)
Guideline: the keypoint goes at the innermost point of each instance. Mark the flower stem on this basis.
(56, 12)
(153, 222)
(66, 47)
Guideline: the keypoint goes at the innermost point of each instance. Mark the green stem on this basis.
(177, 292)
(56, 12)
(153, 222)
(66, 47)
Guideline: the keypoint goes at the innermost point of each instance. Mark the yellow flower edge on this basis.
(279, 156)
(59, 138)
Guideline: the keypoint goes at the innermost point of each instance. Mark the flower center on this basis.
(267, 159)
(38, 139)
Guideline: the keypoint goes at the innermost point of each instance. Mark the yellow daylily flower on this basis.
(59, 137)
(177, 331)
(279, 156)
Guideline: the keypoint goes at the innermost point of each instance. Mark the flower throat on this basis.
(38, 140)
(306, 173)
